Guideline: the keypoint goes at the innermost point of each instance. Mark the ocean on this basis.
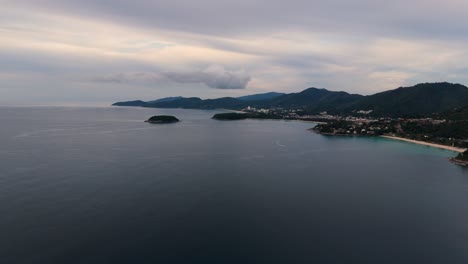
(98, 185)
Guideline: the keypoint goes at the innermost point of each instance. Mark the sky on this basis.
(95, 52)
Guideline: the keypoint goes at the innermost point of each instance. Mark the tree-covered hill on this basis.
(424, 99)
(419, 100)
(259, 97)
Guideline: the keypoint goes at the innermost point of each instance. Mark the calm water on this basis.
(97, 185)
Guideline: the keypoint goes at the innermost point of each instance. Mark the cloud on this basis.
(215, 76)
(127, 77)
(421, 18)
(48, 47)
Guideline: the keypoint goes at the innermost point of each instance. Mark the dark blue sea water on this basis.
(98, 185)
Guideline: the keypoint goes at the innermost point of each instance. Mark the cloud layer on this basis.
(214, 76)
(147, 49)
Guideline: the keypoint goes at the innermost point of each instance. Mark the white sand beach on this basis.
(427, 144)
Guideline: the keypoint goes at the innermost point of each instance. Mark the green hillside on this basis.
(424, 99)
(419, 100)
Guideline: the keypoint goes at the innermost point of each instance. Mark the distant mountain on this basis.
(130, 103)
(165, 99)
(197, 103)
(421, 99)
(312, 99)
(143, 103)
(191, 102)
(315, 100)
(260, 97)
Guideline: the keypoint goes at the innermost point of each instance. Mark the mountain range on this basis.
(419, 100)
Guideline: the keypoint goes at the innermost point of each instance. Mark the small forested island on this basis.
(461, 159)
(162, 119)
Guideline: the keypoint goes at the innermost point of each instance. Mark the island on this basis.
(162, 119)
(461, 159)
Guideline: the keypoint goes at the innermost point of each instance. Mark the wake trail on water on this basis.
(278, 143)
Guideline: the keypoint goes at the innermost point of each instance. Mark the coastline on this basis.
(455, 149)
(284, 119)
(225, 109)
(459, 162)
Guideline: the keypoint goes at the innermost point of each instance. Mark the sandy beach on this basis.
(427, 144)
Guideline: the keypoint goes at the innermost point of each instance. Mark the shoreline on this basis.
(434, 145)
(283, 119)
(459, 162)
